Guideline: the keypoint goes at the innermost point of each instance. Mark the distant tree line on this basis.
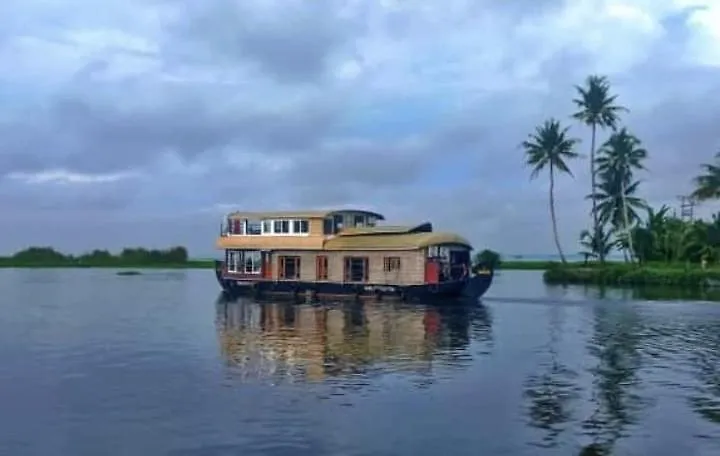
(137, 256)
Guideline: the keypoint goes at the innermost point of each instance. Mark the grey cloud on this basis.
(293, 43)
(65, 199)
(104, 127)
(88, 135)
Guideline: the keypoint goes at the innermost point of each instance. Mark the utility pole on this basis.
(687, 207)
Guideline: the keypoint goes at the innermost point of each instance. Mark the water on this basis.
(92, 363)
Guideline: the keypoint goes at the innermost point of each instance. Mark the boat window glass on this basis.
(289, 267)
(338, 222)
(267, 226)
(371, 221)
(391, 264)
(300, 226)
(359, 220)
(234, 261)
(281, 226)
(252, 262)
(254, 227)
(356, 269)
(328, 226)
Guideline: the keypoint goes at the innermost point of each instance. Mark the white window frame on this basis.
(255, 263)
(236, 263)
(234, 260)
(291, 227)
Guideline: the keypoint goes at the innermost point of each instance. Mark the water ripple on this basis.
(94, 363)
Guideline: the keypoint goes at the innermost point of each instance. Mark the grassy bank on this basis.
(6, 262)
(626, 274)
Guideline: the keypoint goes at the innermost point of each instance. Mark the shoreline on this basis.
(9, 263)
(190, 264)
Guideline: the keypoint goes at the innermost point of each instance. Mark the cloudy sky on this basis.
(140, 122)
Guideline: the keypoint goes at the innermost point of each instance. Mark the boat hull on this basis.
(470, 288)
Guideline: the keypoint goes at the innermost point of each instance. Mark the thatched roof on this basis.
(386, 229)
(408, 241)
(309, 214)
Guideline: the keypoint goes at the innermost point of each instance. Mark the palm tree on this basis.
(707, 185)
(618, 206)
(596, 246)
(550, 147)
(619, 157)
(597, 109)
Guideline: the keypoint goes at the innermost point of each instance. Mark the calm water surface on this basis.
(97, 364)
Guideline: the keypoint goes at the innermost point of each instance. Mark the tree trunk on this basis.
(601, 253)
(552, 214)
(631, 249)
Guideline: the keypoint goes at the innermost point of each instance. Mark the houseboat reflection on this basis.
(290, 342)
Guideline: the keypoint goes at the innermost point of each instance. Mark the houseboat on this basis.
(343, 253)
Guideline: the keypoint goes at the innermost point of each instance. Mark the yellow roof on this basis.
(384, 229)
(310, 214)
(410, 241)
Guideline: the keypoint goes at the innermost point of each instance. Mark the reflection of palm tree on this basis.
(615, 346)
(552, 391)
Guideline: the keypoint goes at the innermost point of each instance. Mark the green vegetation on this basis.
(658, 247)
(47, 257)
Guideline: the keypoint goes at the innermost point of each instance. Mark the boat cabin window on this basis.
(233, 261)
(356, 269)
(281, 226)
(371, 221)
(337, 222)
(359, 221)
(301, 226)
(289, 267)
(253, 227)
(391, 264)
(328, 226)
(244, 261)
(253, 262)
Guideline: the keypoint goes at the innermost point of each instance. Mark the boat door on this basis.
(266, 264)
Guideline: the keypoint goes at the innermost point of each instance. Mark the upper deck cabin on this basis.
(290, 229)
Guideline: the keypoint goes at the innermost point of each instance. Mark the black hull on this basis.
(470, 288)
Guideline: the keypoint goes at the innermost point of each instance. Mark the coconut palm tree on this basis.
(619, 157)
(550, 148)
(596, 246)
(597, 108)
(707, 185)
(618, 206)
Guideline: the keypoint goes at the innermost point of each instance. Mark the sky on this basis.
(141, 122)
